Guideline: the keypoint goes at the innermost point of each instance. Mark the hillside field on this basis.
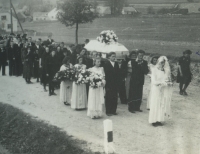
(166, 35)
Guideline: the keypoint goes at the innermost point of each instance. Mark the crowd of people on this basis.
(124, 76)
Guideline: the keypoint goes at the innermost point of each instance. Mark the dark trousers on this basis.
(18, 69)
(36, 70)
(135, 97)
(122, 92)
(44, 78)
(51, 87)
(12, 67)
(111, 100)
(3, 66)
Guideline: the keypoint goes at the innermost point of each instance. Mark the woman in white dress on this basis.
(161, 91)
(151, 65)
(79, 94)
(96, 96)
(66, 86)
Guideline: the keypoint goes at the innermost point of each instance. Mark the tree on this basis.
(75, 12)
(150, 10)
(116, 6)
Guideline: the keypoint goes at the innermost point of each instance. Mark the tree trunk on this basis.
(77, 33)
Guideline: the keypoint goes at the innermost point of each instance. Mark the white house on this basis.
(129, 10)
(5, 21)
(103, 10)
(192, 7)
(38, 16)
(52, 15)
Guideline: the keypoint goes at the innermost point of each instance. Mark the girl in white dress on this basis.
(162, 92)
(96, 96)
(66, 86)
(153, 62)
(79, 94)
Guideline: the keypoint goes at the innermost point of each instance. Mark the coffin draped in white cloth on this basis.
(118, 48)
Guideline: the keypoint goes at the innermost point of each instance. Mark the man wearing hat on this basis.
(184, 76)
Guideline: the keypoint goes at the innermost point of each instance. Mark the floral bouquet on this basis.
(96, 80)
(107, 36)
(82, 77)
(64, 75)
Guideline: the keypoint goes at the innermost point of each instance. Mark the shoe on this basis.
(181, 93)
(66, 103)
(132, 111)
(49, 94)
(53, 93)
(109, 114)
(184, 93)
(115, 114)
(159, 124)
(154, 124)
(139, 110)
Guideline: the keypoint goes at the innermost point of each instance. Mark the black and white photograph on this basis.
(99, 76)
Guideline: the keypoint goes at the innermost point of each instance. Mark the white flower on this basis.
(99, 84)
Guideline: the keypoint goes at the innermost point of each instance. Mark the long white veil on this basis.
(167, 95)
(166, 66)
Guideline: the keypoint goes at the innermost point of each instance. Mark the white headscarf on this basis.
(166, 66)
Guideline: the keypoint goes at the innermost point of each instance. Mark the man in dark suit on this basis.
(122, 76)
(30, 43)
(12, 56)
(139, 70)
(17, 47)
(43, 67)
(112, 84)
(3, 60)
(51, 70)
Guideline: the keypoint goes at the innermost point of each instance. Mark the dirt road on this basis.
(132, 132)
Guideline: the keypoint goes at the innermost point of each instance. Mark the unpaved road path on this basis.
(132, 132)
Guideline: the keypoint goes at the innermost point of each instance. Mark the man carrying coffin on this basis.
(139, 69)
(112, 81)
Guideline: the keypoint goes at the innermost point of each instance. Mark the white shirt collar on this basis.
(112, 63)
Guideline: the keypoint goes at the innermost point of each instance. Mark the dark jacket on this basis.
(111, 75)
(138, 72)
(51, 66)
(12, 54)
(3, 56)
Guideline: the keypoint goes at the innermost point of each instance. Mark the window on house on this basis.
(3, 17)
(9, 26)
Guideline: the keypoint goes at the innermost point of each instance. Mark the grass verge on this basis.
(21, 134)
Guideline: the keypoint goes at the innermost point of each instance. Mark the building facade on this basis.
(5, 22)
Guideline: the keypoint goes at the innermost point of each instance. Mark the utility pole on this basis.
(17, 18)
(11, 17)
